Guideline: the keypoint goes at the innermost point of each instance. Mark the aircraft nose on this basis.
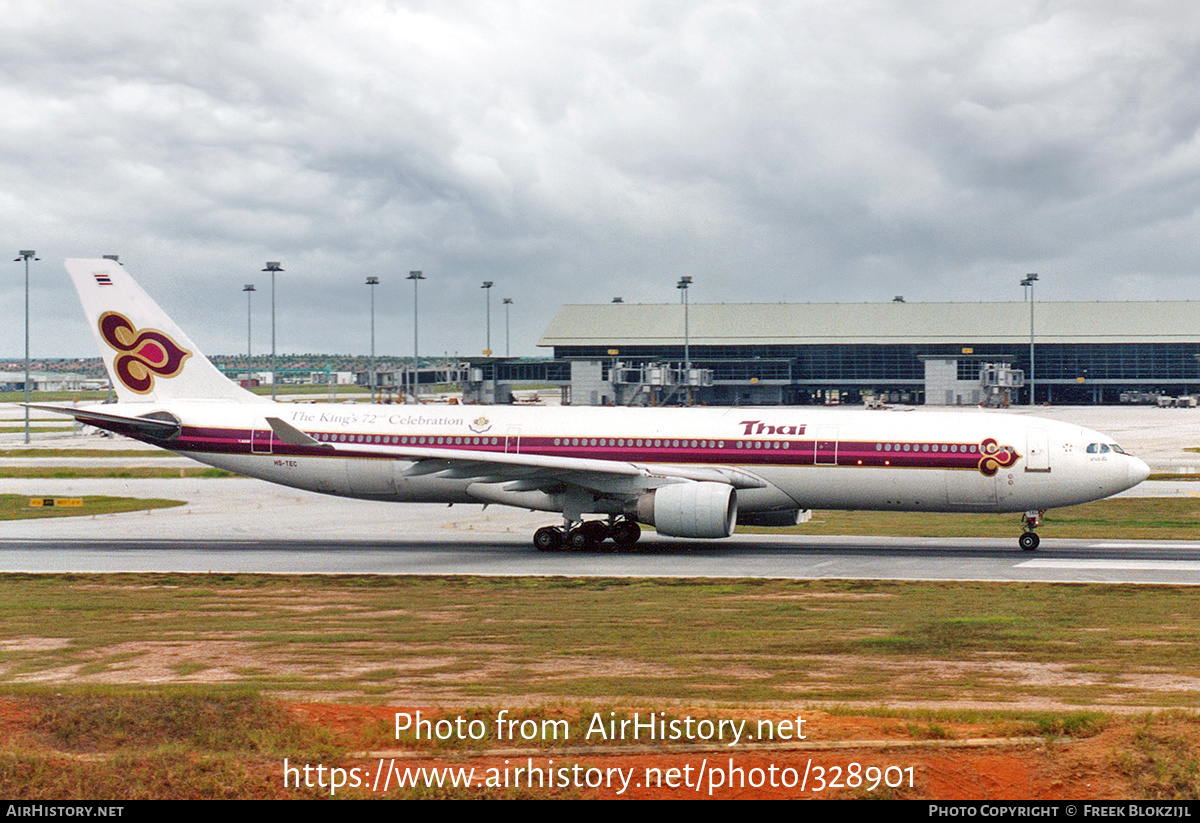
(1138, 471)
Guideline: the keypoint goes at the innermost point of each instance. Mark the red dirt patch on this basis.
(961, 764)
(842, 756)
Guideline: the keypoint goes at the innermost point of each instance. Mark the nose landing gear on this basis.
(1029, 540)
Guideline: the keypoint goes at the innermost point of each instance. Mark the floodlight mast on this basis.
(487, 289)
(1028, 282)
(26, 255)
(683, 285)
(273, 267)
(249, 290)
(372, 282)
(507, 350)
(416, 277)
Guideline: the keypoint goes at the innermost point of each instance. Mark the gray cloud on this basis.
(570, 153)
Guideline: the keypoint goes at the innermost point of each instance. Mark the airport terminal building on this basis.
(920, 353)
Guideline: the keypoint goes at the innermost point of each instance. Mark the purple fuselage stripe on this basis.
(752, 451)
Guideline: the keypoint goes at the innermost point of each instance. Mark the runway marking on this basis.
(1126, 565)
(1190, 544)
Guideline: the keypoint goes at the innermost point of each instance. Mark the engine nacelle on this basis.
(775, 519)
(699, 509)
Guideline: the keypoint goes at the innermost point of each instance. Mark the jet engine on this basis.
(773, 519)
(696, 509)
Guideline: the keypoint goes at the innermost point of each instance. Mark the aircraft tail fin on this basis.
(148, 357)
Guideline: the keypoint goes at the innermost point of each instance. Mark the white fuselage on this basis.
(800, 457)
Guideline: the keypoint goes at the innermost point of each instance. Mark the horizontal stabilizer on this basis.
(157, 425)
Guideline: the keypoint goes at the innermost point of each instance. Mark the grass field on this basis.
(189, 686)
(16, 506)
(35, 452)
(141, 472)
(54, 397)
(481, 639)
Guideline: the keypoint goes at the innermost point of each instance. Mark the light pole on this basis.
(26, 255)
(372, 282)
(273, 267)
(1029, 280)
(416, 277)
(249, 290)
(507, 303)
(487, 288)
(682, 285)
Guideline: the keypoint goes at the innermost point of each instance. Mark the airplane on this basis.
(688, 472)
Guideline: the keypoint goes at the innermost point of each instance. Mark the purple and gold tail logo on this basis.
(143, 353)
(995, 457)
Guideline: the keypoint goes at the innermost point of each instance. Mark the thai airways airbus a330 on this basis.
(689, 472)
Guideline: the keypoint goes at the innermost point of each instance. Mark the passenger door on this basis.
(1037, 451)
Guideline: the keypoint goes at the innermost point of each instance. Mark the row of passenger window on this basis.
(953, 448)
(392, 439)
(621, 442)
(405, 440)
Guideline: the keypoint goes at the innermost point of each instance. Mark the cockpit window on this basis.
(1097, 448)
(1117, 448)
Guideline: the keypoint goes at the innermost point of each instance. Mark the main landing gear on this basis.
(587, 535)
(1029, 540)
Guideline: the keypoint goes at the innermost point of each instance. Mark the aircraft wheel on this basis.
(1029, 541)
(547, 539)
(597, 531)
(625, 533)
(579, 539)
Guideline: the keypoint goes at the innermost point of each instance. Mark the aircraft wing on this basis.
(516, 472)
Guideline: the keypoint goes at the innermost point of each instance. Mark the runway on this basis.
(762, 556)
(238, 525)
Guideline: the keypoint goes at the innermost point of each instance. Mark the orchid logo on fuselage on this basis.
(142, 353)
(996, 457)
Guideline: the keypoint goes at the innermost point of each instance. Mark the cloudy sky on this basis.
(815, 150)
